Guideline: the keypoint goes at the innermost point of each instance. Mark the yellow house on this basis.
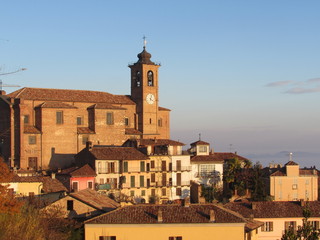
(170, 222)
(276, 216)
(291, 183)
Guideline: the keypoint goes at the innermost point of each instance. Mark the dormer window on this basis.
(202, 148)
(150, 79)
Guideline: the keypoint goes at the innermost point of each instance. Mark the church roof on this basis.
(68, 95)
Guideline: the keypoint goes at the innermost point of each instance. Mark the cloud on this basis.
(279, 83)
(303, 90)
(313, 80)
(298, 87)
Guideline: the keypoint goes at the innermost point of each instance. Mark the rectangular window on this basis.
(132, 193)
(126, 121)
(164, 192)
(202, 148)
(290, 224)
(163, 166)
(143, 193)
(141, 181)
(267, 227)
(152, 164)
(124, 179)
(315, 224)
(59, 117)
(178, 179)
(90, 185)
(142, 166)
(70, 205)
(178, 191)
(111, 167)
(75, 186)
(132, 181)
(153, 192)
(160, 122)
(294, 186)
(153, 177)
(125, 166)
(164, 179)
(33, 162)
(109, 118)
(79, 120)
(32, 140)
(175, 238)
(107, 238)
(178, 165)
(26, 119)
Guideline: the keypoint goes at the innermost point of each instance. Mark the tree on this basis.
(8, 203)
(258, 188)
(305, 232)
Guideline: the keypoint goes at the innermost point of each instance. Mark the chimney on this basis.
(253, 206)
(89, 145)
(186, 202)
(53, 175)
(212, 216)
(160, 219)
(251, 216)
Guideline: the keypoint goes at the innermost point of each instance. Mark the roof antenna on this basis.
(290, 156)
(199, 136)
(144, 42)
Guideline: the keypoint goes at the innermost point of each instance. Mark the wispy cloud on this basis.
(279, 83)
(306, 86)
(303, 90)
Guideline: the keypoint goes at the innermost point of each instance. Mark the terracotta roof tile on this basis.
(132, 131)
(163, 109)
(278, 173)
(291, 163)
(155, 142)
(106, 106)
(66, 95)
(147, 214)
(273, 209)
(84, 171)
(199, 143)
(221, 156)
(117, 153)
(85, 130)
(94, 199)
(31, 129)
(55, 105)
(207, 158)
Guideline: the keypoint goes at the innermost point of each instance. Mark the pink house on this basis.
(77, 178)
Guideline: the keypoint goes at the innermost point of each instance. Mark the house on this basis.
(44, 128)
(276, 216)
(291, 183)
(77, 178)
(169, 169)
(83, 204)
(171, 222)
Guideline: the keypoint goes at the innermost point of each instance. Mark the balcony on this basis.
(169, 184)
(107, 171)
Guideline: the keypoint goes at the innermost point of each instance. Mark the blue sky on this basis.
(244, 74)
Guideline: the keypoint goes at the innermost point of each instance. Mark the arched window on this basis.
(138, 79)
(150, 78)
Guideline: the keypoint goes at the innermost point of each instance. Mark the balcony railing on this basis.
(107, 171)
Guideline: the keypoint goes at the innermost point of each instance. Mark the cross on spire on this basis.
(144, 42)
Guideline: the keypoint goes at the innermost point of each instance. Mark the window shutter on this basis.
(271, 226)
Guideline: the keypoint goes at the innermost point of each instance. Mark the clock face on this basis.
(150, 98)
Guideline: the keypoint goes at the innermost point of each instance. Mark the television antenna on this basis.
(6, 85)
(7, 73)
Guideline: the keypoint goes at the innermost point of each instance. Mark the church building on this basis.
(44, 128)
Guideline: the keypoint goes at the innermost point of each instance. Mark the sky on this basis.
(243, 74)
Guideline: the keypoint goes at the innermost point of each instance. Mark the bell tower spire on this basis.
(144, 92)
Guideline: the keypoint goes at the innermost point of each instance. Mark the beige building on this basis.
(171, 222)
(291, 183)
(84, 204)
(276, 216)
(45, 128)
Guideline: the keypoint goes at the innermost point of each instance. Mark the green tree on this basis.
(305, 232)
(258, 188)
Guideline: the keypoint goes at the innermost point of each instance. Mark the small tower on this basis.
(144, 92)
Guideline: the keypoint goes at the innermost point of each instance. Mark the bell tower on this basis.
(144, 92)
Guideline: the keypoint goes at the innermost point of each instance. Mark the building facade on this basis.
(44, 128)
